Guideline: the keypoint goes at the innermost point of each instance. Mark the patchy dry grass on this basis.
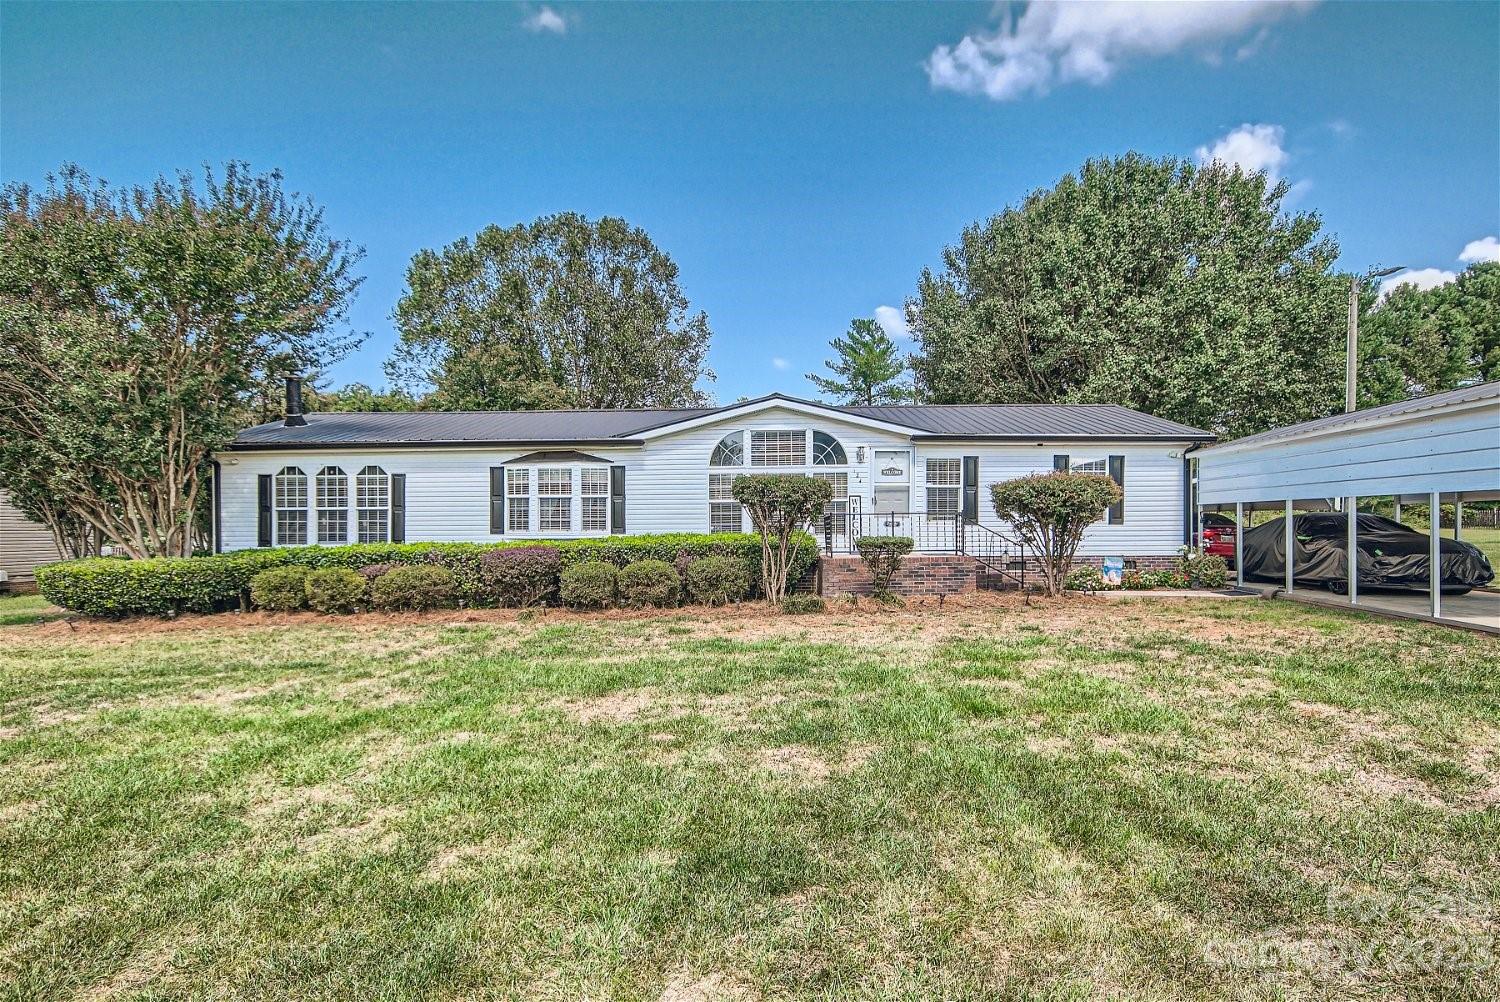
(991, 800)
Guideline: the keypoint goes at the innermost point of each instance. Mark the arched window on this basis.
(332, 493)
(827, 451)
(291, 507)
(730, 451)
(372, 501)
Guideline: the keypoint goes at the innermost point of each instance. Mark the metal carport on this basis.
(1439, 449)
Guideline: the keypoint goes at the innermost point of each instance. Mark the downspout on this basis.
(218, 507)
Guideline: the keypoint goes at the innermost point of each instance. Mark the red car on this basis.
(1218, 535)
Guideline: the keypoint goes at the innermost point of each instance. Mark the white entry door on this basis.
(891, 504)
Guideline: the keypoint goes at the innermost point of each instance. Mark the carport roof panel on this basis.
(1402, 408)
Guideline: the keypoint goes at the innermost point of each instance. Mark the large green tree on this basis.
(560, 312)
(1417, 341)
(1184, 291)
(868, 368)
(135, 328)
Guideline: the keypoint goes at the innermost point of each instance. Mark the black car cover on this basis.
(1390, 554)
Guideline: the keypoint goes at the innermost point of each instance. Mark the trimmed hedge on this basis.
(280, 589)
(589, 585)
(716, 580)
(649, 583)
(335, 590)
(413, 589)
(104, 586)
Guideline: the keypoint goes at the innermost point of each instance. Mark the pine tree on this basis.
(868, 368)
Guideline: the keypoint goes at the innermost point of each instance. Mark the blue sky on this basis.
(801, 163)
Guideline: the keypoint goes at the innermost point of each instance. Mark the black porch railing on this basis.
(930, 533)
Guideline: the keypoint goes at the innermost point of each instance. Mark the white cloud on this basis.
(544, 18)
(1487, 249)
(1422, 278)
(1059, 43)
(1251, 148)
(891, 321)
(781, 363)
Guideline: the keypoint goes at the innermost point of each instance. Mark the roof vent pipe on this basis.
(294, 418)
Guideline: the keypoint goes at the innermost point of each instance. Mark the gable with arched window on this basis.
(797, 451)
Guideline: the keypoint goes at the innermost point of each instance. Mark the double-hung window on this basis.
(372, 505)
(333, 505)
(517, 499)
(838, 506)
(291, 507)
(594, 506)
(554, 491)
(944, 480)
(724, 513)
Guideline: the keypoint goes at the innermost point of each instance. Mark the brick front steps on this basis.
(920, 574)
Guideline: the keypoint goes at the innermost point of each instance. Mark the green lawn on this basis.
(16, 610)
(1138, 799)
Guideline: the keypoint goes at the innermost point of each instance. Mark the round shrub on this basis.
(883, 556)
(415, 589)
(717, 580)
(280, 589)
(335, 590)
(649, 583)
(1205, 570)
(800, 605)
(1084, 579)
(520, 575)
(589, 585)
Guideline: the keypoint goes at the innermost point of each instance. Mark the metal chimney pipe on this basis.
(294, 418)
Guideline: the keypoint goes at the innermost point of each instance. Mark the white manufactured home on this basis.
(490, 476)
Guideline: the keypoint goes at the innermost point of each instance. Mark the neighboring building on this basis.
(504, 475)
(23, 545)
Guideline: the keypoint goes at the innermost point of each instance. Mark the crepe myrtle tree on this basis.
(780, 505)
(135, 326)
(1050, 511)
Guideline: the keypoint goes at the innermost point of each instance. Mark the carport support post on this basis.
(1353, 561)
(1458, 519)
(1239, 549)
(1290, 539)
(1434, 552)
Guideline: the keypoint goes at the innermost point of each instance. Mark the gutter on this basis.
(1196, 441)
(540, 443)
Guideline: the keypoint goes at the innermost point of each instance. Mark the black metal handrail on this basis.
(929, 533)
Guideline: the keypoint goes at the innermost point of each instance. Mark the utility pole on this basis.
(1351, 345)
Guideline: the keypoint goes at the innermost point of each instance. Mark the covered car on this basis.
(1390, 554)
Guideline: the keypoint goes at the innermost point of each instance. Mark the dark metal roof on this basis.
(617, 427)
(1401, 408)
(1023, 421)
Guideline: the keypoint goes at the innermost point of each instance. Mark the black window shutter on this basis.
(1060, 463)
(1117, 474)
(617, 499)
(497, 500)
(398, 507)
(263, 524)
(971, 488)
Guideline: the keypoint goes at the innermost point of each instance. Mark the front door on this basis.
(890, 511)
